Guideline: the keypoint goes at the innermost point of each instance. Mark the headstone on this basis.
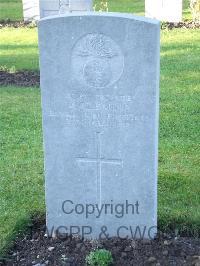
(100, 86)
(164, 10)
(55, 7)
(31, 10)
(80, 5)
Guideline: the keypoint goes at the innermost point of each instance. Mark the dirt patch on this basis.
(34, 248)
(184, 25)
(21, 78)
(17, 24)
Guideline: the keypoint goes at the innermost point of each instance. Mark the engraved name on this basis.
(97, 110)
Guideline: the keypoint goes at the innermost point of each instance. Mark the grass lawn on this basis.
(19, 48)
(21, 163)
(12, 9)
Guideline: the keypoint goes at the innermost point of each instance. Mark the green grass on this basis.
(19, 48)
(126, 6)
(12, 9)
(179, 168)
(186, 10)
(21, 181)
(21, 159)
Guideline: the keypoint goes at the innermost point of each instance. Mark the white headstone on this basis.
(31, 10)
(164, 10)
(100, 86)
(55, 7)
(80, 5)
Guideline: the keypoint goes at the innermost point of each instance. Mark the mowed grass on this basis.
(179, 162)
(19, 48)
(21, 164)
(125, 6)
(12, 9)
(21, 159)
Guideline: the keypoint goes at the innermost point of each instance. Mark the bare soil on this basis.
(17, 24)
(34, 248)
(20, 78)
(184, 25)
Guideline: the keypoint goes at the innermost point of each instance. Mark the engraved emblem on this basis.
(97, 61)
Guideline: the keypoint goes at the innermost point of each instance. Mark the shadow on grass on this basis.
(177, 226)
(17, 46)
(23, 227)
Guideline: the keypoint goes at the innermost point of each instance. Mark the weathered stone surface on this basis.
(100, 84)
(31, 10)
(55, 7)
(164, 10)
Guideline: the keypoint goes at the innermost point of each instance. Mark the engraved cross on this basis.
(99, 160)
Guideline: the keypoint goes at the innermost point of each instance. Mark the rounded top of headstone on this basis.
(102, 14)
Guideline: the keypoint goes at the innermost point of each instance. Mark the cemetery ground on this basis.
(21, 153)
(22, 193)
